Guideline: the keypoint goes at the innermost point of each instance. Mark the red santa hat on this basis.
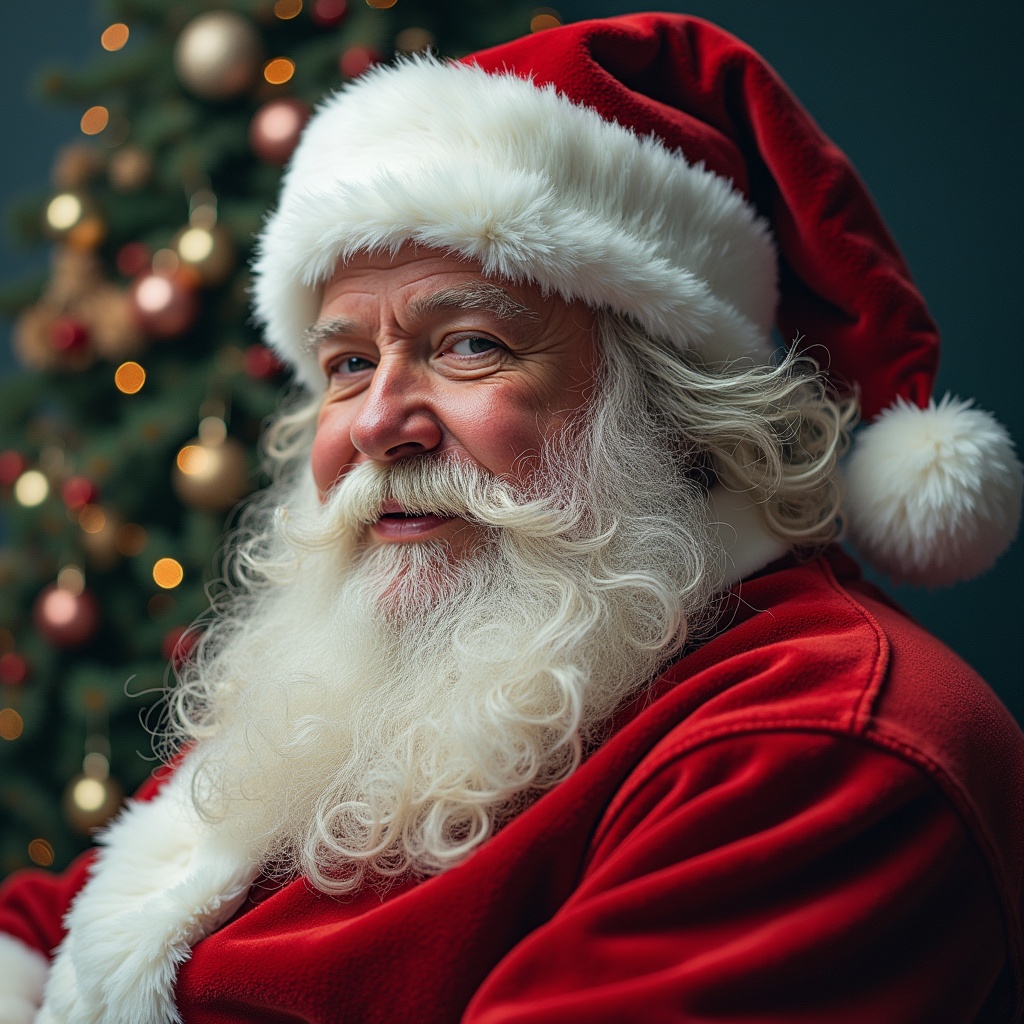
(657, 166)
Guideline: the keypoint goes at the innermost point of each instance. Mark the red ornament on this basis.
(64, 618)
(275, 129)
(132, 258)
(177, 645)
(13, 669)
(261, 363)
(12, 465)
(68, 335)
(328, 13)
(165, 305)
(357, 59)
(79, 491)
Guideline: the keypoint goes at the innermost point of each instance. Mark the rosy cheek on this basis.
(332, 450)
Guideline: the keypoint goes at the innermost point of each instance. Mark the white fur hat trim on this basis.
(531, 186)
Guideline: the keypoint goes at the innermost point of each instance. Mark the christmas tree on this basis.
(130, 435)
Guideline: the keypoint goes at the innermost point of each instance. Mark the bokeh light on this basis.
(64, 211)
(40, 852)
(71, 579)
(129, 378)
(114, 36)
(92, 519)
(287, 9)
(31, 488)
(381, 5)
(94, 120)
(544, 18)
(167, 573)
(88, 794)
(11, 724)
(279, 70)
(193, 459)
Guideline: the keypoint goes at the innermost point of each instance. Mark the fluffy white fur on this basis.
(933, 495)
(161, 882)
(531, 186)
(22, 977)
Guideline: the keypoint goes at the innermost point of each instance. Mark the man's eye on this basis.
(474, 346)
(352, 364)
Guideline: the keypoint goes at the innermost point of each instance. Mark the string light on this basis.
(114, 36)
(31, 488)
(168, 573)
(129, 378)
(94, 120)
(279, 70)
(193, 459)
(287, 9)
(544, 18)
(89, 794)
(92, 519)
(11, 724)
(64, 211)
(71, 579)
(40, 852)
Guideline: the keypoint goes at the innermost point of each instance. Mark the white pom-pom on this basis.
(933, 495)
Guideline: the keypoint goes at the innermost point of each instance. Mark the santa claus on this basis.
(538, 692)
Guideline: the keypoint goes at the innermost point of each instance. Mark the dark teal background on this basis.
(926, 98)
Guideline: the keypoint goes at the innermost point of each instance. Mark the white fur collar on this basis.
(161, 882)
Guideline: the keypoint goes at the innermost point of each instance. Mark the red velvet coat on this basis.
(817, 816)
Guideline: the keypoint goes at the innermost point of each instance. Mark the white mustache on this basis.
(426, 485)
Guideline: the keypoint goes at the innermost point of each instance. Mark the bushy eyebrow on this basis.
(480, 295)
(323, 330)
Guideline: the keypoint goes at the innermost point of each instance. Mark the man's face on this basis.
(422, 354)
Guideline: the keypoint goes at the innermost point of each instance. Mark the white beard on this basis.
(384, 709)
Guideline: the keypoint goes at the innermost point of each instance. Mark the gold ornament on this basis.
(74, 274)
(414, 40)
(130, 168)
(92, 797)
(212, 471)
(218, 55)
(76, 165)
(33, 342)
(100, 527)
(109, 314)
(206, 249)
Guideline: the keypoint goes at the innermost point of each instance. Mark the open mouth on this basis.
(397, 523)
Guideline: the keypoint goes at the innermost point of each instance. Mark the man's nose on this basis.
(397, 418)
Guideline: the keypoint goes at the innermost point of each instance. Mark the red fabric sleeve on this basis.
(33, 903)
(768, 877)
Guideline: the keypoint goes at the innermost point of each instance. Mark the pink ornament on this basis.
(13, 669)
(357, 59)
(261, 363)
(12, 465)
(79, 491)
(68, 335)
(133, 258)
(275, 129)
(64, 618)
(328, 13)
(164, 305)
